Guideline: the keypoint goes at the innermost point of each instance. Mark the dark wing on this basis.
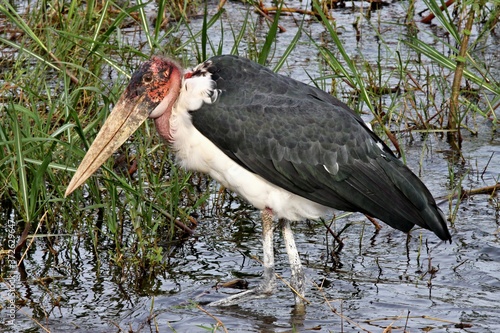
(311, 144)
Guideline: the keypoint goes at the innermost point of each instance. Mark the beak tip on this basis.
(71, 187)
(69, 190)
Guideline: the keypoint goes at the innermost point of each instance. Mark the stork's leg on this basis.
(267, 286)
(297, 280)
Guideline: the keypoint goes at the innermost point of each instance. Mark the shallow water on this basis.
(381, 282)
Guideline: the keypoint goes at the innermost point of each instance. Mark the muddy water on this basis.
(423, 286)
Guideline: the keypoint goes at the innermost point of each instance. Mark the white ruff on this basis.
(195, 152)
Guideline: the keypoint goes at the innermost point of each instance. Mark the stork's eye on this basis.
(147, 78)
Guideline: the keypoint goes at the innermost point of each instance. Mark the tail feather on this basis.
(422, 208)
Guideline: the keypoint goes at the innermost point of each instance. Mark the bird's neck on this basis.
(162, 124)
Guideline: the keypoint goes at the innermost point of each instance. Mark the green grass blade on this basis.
(160, 16)
(353, 75)
(445, 61)
(100, 24)
(270, 38)
(22, 49)
(144, 21)
(194, 37)
(55, 166)
(204, 34)
(444, 17)
(241, 34)
(13, 17)
(290, 47)
(21, 166)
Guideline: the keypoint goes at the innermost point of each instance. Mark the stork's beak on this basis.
(124, 120)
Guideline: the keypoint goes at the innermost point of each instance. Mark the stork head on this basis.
(151, 93)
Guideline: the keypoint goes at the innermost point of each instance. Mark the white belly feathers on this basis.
(195, 152)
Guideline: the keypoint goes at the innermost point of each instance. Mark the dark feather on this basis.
(304, 140)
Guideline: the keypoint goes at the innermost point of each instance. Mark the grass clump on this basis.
(451, 65)
(62, 73)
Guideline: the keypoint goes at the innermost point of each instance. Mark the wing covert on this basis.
(275, 126)
(307, 142)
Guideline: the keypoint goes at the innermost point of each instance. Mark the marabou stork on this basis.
(290, 149)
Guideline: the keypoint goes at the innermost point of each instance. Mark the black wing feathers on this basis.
(311, 144)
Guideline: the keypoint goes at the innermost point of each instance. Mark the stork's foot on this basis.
(255, 293)
(261, 291)
(268, 285)
(266, 288)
